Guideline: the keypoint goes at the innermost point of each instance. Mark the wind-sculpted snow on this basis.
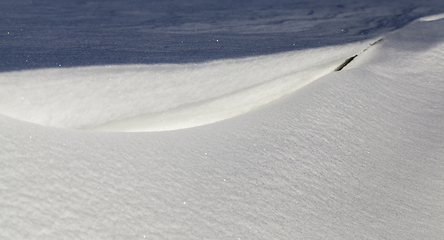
(356, 154)
(162, 97)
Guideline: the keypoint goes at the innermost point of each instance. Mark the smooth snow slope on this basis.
(357, 154)
(162, 97)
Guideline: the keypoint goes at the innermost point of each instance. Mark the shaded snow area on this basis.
(51, 33)
(353, 154)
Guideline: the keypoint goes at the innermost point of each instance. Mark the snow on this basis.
(356, 154)
(432, 17)
(165, 96)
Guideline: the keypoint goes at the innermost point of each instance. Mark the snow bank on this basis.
(357, 154)
(161, 97)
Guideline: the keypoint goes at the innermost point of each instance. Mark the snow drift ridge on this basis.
(163, 97)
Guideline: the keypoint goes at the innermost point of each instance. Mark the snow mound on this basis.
(162, 97)
(356, 154)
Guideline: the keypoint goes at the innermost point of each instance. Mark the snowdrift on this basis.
(162, 97)
(356, 154)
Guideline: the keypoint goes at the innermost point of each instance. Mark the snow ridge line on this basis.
(198, 113)
(348, 60)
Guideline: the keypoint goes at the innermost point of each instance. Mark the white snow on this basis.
(162, 97)
(432, 17)
(356, 154)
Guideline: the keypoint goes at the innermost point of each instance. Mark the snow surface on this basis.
(162, 97)
(52, 33)
(432, 17)
(356, 154)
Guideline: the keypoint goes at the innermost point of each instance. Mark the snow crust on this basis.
(357, 154)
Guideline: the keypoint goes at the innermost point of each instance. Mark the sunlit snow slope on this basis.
(162, 97)
(356, 154)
